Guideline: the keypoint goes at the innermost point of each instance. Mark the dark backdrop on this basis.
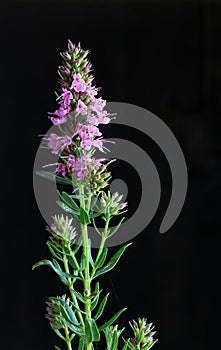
(160, 55)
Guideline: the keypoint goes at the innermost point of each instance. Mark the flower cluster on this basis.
(143, 335)
(111, 203)
(62, 230)
(78, 102)
(54, 312)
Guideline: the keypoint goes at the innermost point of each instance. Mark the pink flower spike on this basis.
(81, 108)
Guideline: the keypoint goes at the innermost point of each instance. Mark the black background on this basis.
(160, 55)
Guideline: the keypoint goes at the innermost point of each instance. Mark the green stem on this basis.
(68, 341)
(87, 278)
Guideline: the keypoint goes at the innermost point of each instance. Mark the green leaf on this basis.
(67, 199)
(91, 330)
(113, 261)
(116, 228)
(101, 259)
(68, 210)
(114, 318)
(89, 252)
(78, 295)
(52, 251)
(57, 348)
(56, 268)
(114, 341)
(52, 177)
(84, 217)
(66, 310)
(125, 344)
(58, 334)
(101, 307)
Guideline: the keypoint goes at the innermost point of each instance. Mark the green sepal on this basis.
(113, 261)
(52, 177)
(113, 318)
(101, 259)
(101, 307)
(91, 330)
(84, 217)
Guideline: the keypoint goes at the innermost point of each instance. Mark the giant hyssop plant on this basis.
(75, 316)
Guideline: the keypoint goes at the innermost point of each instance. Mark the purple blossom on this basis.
(57, 143)
(81, 108)
(58, 121)
(66, 97)
(78, 84)
(97, 104)
(61, 169)
(91, 91)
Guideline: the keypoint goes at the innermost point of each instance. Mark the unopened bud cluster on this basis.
(62, 230)
(54, 313)
(143, 335)
(110, 203)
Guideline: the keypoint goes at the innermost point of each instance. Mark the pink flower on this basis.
(61, 168)
(91, 91)
(57, 121)
(81, 108)
(57, 143)
(97, 104)
(78, 84)
(66, 97)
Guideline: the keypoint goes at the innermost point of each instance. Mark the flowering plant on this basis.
(76, 318)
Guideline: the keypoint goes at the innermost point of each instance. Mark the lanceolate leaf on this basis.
(57, 348)
(101, 307)
(84, 217)
(59, 334)
(114, 318)
(68, 200)
(54, 178)
(68, 210)
(57, 269)
(91, 330)
(114, 341)
(101, 259)
(66, 311)
(125, 344)
(113, 261)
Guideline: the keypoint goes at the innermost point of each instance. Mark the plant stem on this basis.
(68, 341)
(87, 278)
